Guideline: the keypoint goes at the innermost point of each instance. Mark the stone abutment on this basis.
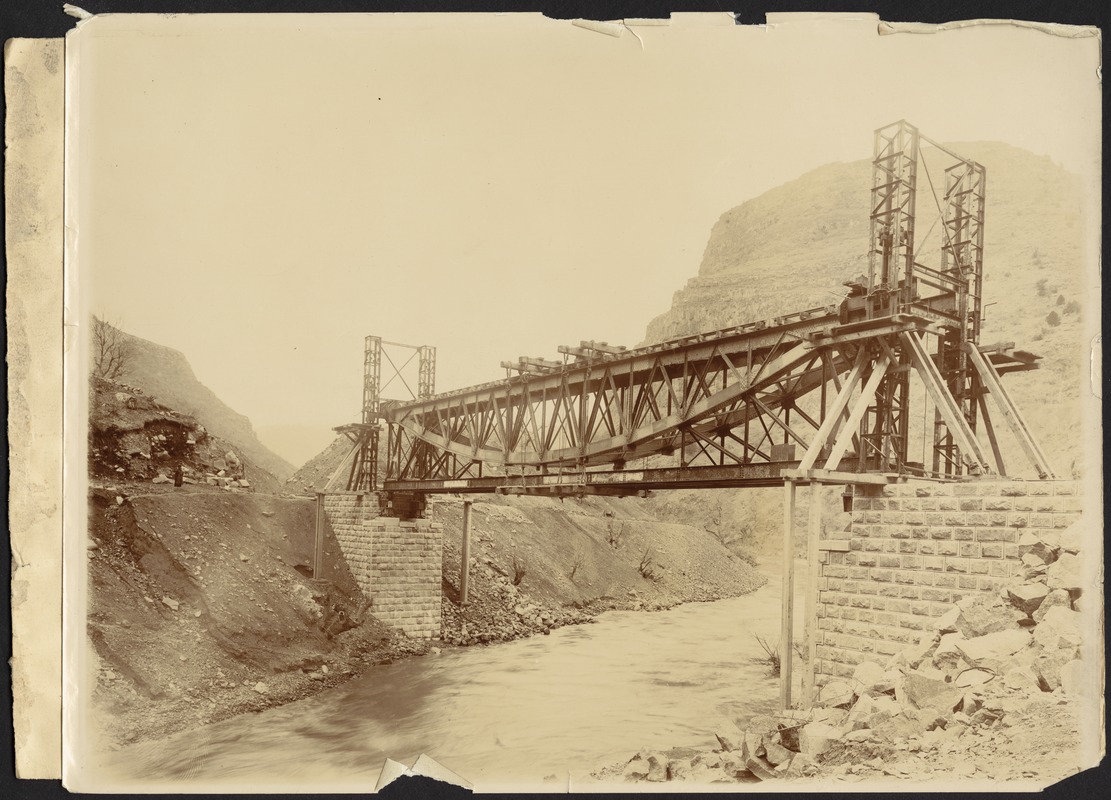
(397, 563)
(914, 548)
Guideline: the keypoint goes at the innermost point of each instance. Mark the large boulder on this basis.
(1020, 678)
(982, 614)
(1059, 628)
(867, 675)
(930, 693)
(729, 737)
(816, 737)
(1056, 598)
(835, 693)
(1072, 537)
(1074, 678)
(1044, 545)
(861, 712)
(801, 765)
(1064, 573)
(993, 649)
(777, 754)
(657, 769)
(1048, 665)
(1028, 597)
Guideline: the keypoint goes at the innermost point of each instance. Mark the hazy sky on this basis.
(261, 193)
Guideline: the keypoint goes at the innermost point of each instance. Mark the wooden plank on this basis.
(833, 414)
(465, 554)
(318, 548)
(814, 533)
(1000, 467)
(1010, 413)
(943, 401)
(867, 395)
(786, 640)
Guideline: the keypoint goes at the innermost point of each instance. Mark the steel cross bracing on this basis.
(362, 463)
(825, 389)
(733, 408)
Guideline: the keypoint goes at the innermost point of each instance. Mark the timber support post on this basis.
(809, 677)
(465, 554)
(786, 643)
(318, 545)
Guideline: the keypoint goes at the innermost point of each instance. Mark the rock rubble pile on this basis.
(498, 611)
(982, 665)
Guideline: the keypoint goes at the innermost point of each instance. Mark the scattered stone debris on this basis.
(963, 686)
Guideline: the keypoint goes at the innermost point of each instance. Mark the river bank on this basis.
(538, 713)
(201, 609)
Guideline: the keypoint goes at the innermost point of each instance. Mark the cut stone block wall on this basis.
(396, 563)
(914, 548)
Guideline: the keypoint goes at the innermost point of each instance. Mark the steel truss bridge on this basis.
(823, 394)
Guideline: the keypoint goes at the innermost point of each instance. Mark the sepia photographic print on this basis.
(546, 406)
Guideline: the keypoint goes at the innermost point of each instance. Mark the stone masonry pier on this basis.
(916, 547)
(396, 563)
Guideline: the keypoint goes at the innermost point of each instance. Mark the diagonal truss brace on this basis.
(990, 379)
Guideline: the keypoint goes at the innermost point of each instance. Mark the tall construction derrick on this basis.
(364, 473)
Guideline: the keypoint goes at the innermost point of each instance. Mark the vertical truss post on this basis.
(894, 184)
(883, 428)
(364, 469)
(962, 260)
(426, 371)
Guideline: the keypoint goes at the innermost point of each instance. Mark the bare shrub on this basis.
(771, 653)
(614, 531)
(112, 350)
(647, 567)
(578, 562)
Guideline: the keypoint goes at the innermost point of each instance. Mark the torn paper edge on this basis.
(893, 28)
(424, 766)
(34, 138)
(77, 740)
(78, 13)
(1052, 28)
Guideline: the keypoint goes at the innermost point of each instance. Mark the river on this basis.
(534, 714)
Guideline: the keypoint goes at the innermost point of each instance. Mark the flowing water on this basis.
(536, 713)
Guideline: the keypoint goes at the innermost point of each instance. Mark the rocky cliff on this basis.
(165, 373)
(792, 247)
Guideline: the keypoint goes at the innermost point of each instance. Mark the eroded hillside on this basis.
(166, 374)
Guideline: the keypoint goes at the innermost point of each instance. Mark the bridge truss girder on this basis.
(833, 384)
(835, 397)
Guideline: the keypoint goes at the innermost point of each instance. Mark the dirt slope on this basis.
(574, 558)
(197, 595)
